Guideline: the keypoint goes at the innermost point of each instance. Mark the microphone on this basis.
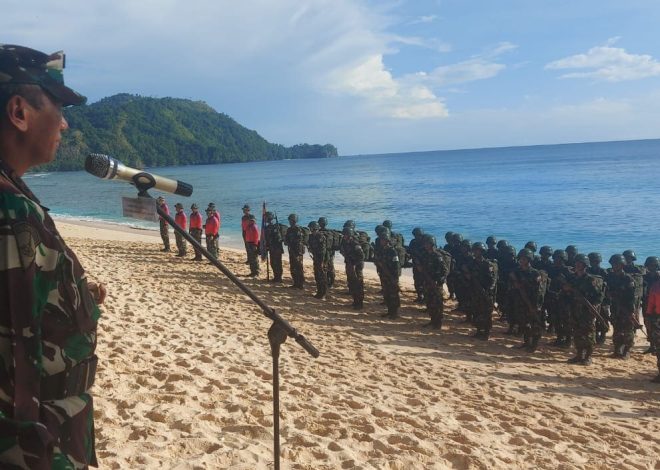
(106, 167)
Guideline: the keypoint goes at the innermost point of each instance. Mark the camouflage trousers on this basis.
(320, 276)
(196, 233)
(165, 234)
(330, 271)
(253, 258)
(583, 326)
(297, 269)
(481, 307)
(434, 302)
(276, 263)
(418, 280)
(391, 293)
(181, 245)
(624, 328)
(355, 281)
(653, 322)
(533, 324)
(212, 245)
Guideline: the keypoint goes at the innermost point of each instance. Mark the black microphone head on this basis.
(98, 165)
(183, 189)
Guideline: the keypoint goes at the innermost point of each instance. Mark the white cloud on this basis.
(425, 19)
(607, 63)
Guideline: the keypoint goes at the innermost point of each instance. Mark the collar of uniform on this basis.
(18, 182)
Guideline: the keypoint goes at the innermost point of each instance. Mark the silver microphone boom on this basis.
(106, 167)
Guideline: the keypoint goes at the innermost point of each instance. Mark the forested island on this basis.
(153, 132)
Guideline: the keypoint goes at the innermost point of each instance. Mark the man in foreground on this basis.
(48, 310)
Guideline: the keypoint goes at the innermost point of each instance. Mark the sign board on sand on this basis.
(143, 208)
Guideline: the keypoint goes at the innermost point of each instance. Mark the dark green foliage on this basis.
(156, 132)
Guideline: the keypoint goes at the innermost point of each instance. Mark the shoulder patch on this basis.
(27, 239)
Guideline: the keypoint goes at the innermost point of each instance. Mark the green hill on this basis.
(156, 132)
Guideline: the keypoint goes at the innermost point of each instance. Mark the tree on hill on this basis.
(154, 132)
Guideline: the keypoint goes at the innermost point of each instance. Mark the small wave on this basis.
(83, 218)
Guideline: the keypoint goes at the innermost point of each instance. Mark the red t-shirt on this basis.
(196, 220)
(164, 207)
(252, 234)
(212, 226)
(181, 219)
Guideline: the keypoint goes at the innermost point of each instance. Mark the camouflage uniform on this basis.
(389, 265)
(330, 266)
(416, 252)
(434, 270)
(354, 261)
(318, 248)
(557, 303)
(294, 240)
(482, 278)
(602, 324)
(48, 341)
(164, 226)
(621, 291)
(583, 322)
(275, 249)
(527, 297)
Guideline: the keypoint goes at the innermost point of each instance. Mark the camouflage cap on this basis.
(246, 207)
(24, 66)
(194, 206)
(178, 205)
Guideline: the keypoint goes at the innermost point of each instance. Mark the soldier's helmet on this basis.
(313, 225)
(348, 231)
(584, 259)
(428, 239)
(417, 232)
(546, 250)
(630, 255)
(595, 257)
(508, 250)
(652, 262)
(388, 224)
(479, 246)
(467, 244)
(615, 260)
(293, 218)
(269, 216)
(491, 240)
(349, 223)
(382, 231)
(457, 238)
(560, 254)
(323, 222)
(194, 207)
(571, 250)
(526, 253)
(501, 244)
(449, 236)
(531, 245)
(245, 207)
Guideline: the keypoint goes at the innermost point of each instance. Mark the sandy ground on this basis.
(185, 379)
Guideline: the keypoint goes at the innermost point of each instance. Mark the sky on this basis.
(371, 76)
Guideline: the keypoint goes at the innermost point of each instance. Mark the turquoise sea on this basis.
(598, 196)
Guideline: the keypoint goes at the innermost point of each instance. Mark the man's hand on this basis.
(98, 292)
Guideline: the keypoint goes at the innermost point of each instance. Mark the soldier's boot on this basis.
(319, 295)
(486, 335)
(436, 321)
(526, 342)
(534, 343)
(579, 356)
(510, 330)
(625, 352)
(420, 298)
(393, 313)
(617, 351)
(567, 342)
(650, 350)
(600, 336)
(586, 361)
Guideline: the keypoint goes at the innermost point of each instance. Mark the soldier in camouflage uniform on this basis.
(461, 285)
(48, 310)
(164, 226)
(556, 301)
(416, 253)
(482, 279)
(397, 241)
(354, 261)
(637, 273)
(621, 291)
(506, 264)
(585, 294)
(318, 248)
(602, 323)
(330, 269)
(294, 240)
(543, 262)
(651, 278)
(390, 269)
(491, 253)
(434, 271)
(528, 299)
(274, 246)
(652, 309)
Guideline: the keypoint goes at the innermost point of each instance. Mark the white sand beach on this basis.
(184, 379)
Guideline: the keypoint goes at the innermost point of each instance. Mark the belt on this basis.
(69, 383)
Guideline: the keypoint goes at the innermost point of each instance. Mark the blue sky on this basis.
(371, 76)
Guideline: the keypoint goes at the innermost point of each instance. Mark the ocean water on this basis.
(598, 196)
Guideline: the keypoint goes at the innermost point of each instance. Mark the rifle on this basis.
(523, 294)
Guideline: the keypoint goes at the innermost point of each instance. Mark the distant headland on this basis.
(154, 132)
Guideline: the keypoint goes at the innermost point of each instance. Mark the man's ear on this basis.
(18, 111)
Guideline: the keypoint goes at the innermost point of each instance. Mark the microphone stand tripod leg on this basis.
(276, 336)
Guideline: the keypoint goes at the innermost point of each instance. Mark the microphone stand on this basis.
(279, 330)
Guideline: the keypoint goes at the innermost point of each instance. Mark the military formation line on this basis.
(557, 292)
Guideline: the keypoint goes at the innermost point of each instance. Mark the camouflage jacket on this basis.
(621, 291)
(295, 240)
(273, 237)
(318, 246)
(48, 325)
(352, 251)
(434, 268)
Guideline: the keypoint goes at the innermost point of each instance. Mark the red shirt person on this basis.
(182, 221)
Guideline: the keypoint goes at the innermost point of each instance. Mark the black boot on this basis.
(534, 343)
(586, 360)
(526, 343)
(579, 356)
